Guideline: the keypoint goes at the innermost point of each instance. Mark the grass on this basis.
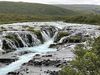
(23, 8)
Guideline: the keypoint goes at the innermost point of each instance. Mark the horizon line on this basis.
(51, 3)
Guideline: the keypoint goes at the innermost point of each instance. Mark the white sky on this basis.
(97, 2)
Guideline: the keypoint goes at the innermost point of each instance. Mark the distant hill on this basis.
(33, 9)
(82, 8)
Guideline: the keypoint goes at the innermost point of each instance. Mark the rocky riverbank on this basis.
(47, 64)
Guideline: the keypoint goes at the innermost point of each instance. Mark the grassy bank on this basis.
(86, 62)
(13, 18)
(84, 19)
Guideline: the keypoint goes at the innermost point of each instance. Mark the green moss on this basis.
(10, 37)
(75, 39)
(60, 35)
(31, 29)
(84, 19)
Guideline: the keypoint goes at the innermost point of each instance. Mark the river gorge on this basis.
(41, 48)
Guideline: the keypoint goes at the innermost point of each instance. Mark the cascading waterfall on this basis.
(25, 45)
(27, 57)
(0, 45)
(36, 41)
(19, 39)
(45, 36)
(12, 44)
(61, 40)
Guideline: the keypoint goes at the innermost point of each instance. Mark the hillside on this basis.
(11, 12)
(82, 8)
(32, 9)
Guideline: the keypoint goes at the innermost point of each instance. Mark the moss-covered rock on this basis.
(2, 29)
(6, 47)
(74, 39)
(36, 32)
(15, 39)
(39, 35)
(31, 29)
(52, 45)
(60, 35)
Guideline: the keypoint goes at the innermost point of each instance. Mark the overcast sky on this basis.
(60, 1)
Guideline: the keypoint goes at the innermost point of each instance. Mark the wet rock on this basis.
(49, 55)
(53, 46)
(7, 60)
(12, 73)
(7, 47)
(13, 40)
(54, 73)
(60, 35)
(50, 30)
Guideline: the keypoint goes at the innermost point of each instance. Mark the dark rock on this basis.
(60, 35)
(7, 60)
(12, 73)
(52, 45)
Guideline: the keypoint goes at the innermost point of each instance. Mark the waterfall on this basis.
(0, 44)
(55, 35)
(12, 44)
(43, 48)
(19, 39)
(45, 36)
(25, 45)
(35, 40)
(61, 40)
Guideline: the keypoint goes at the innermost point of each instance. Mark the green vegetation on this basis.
(12, 18)
(23, 8)
(87, 19)
(75, 39)
(86, 62)
(11, 12)
(82, 8)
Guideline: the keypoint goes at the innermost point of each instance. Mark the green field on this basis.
(11, 12)
(22, 8)
(94, 9)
